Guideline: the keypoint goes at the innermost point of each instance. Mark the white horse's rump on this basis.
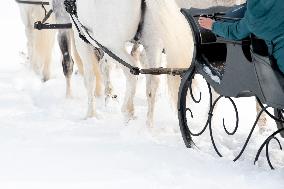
(39, 43)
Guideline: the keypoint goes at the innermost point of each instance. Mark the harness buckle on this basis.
(38, 25)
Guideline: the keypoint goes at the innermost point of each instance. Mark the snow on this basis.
(46, 143)
(213, 77)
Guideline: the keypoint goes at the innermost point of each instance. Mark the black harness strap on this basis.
(47, 15)
(41, 25)
(44, 26)
(33, 2)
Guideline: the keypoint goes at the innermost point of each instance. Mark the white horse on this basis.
(39, 43)
(114, 23)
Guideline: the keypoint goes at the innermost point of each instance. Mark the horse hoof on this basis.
(44, 79)
(128, 118)
(69, 96)
(263, 130)
(150, 124)
(91, 115)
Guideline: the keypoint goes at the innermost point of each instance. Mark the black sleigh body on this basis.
(234, 69)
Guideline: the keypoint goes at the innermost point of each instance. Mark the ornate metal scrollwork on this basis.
(266, 145)
(187, 91)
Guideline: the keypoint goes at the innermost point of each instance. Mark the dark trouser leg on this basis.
(279, 56)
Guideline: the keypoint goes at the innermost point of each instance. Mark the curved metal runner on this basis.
(185, 114)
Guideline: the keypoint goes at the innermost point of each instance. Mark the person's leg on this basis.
(279, 56)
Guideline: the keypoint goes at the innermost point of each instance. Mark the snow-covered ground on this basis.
(46, 143)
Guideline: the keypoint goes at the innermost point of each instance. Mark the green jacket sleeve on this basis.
(234, 31)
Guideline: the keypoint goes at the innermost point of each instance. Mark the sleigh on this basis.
(234, 69)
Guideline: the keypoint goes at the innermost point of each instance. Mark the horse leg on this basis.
(262, 123)
(75, 54)
(67, 62)
(105, 68)
(77, 59)
(152, 84)
(151, 58)
(131, 82)
(79, 63)
(98, 74)
(89, 62)
(31, 53)
(27, 18)
(39, 43)
(42, 46)
(128, 106)
(35, 57)
(46, 52)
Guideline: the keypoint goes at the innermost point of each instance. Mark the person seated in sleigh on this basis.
(263, 18)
